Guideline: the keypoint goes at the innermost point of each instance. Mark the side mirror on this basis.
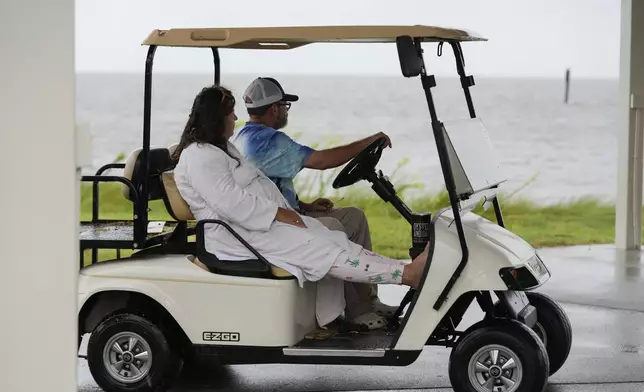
(410, 60)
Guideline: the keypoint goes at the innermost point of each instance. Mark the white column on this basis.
(38, 197)
(628, 223)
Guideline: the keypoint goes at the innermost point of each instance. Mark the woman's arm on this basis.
(211, 177)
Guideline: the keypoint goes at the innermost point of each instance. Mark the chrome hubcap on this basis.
(495, 368)
(127, 357)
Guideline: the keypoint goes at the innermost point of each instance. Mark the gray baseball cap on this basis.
(266, 91)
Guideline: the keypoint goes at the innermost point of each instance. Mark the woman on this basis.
(217, 183)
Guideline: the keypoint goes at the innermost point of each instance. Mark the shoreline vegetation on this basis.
(582, 221)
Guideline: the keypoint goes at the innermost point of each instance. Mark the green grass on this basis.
(584, 221)
(574, 223)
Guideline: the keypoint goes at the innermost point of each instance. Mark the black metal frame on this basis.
(140, 230)
(139, 196)
(201, 237)
(94, 245)
(428, 82)
(445, 333)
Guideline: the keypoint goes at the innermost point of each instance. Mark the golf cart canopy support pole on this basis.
(466, 81)
(141, 218)
(428, 82)
(141, 214)
(217, 61)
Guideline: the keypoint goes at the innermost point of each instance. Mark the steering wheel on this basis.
(361, 165)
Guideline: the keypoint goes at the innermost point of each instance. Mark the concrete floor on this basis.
(601, 289)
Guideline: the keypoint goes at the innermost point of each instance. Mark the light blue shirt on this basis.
(273, 152)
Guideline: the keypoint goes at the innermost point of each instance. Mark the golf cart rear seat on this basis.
(179, 210)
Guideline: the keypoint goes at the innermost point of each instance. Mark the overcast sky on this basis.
(526, 38)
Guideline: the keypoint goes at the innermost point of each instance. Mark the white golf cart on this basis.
(171, 301)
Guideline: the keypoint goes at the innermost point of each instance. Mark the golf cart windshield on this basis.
(473, 161)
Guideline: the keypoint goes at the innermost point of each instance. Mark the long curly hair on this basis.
(207, 120)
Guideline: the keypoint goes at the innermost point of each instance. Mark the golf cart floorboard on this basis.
(351, 341)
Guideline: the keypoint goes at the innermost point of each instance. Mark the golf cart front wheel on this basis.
(553, 327)
(127, 352)
(508, 357)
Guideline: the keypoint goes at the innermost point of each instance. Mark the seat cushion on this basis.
(280, 273)
(248, 268)
(128, 171)
(158, 162)
(200, 264)
(175, 204)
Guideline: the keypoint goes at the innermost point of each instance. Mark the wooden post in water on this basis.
(567, 84)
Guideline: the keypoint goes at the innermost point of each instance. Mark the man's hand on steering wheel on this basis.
(364, 164)
(378, 136)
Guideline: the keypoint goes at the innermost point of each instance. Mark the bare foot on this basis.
(413, 272)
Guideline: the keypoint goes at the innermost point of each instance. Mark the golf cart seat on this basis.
(159, 162)
(179, 209)
(174, 203)
(172, 148)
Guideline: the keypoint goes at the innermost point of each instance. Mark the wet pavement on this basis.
(601, 289)
(596, 275)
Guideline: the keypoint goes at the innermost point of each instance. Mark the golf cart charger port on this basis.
(250, 312)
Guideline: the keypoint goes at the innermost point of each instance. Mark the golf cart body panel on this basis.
(285, 311)
(255, 312)
(490, 253)
(296, 36)
(477, 225)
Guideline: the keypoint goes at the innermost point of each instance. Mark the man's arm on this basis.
(338, 156)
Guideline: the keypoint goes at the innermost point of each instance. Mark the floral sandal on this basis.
(370, 321)
(384, 310)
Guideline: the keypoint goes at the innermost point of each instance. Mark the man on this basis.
(281, 159)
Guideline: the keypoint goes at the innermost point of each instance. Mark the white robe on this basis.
(216, 186)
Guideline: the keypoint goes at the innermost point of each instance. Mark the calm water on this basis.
(567, 151)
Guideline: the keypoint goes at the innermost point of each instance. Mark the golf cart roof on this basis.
(293, 37)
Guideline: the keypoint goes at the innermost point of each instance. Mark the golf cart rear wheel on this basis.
(553, 327)
(508, 357)
(127, 352)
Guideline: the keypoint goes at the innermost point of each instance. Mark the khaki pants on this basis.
(351, 220)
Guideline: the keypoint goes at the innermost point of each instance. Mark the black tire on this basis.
(552, 322)
(161, 370)
(521, 344)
